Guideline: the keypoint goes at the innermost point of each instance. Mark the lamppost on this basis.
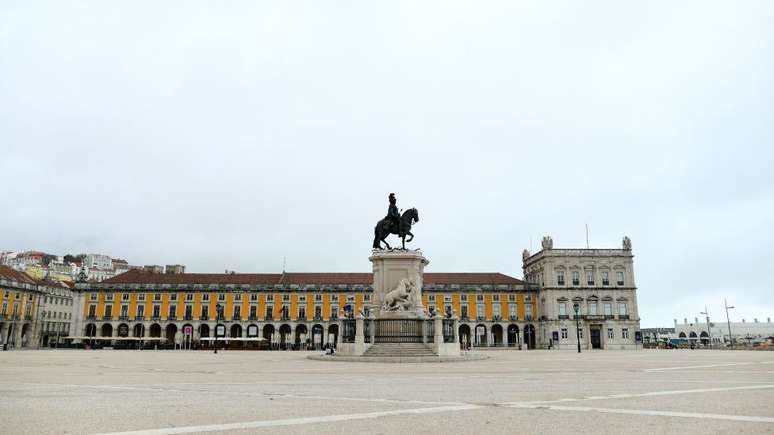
(728, 321)
(576, 307)
(709, 331)
(217, 323)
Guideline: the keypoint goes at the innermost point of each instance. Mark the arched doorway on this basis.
(91, 330)
(464, 336)
(333, 335)
(529, 336)
(682, 335)
(171, 332)
(107, 330)
(301, 333)
(513, 335)
(236, 331)
(317, 336)
(497, 335)
(704, 338)
(480, 337)
(284, 335)
(268, 333)
(138, 330)
(155, 330)
(25, 335)
(123, 330)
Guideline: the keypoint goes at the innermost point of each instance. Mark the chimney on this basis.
(152, 268)
(175, 269)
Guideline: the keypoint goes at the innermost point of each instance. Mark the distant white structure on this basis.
(98, 261)
(717, 332)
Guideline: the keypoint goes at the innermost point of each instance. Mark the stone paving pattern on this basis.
(663, 391)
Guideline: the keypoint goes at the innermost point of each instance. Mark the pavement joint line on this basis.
(258, 394)
(705, 366)
(293, 421)
(635, 395)
(745, 418)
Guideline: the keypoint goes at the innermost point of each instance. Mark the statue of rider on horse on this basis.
(395, 223)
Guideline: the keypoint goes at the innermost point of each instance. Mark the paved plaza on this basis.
(165, 392)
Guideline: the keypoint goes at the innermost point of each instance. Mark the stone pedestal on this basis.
(392, 269)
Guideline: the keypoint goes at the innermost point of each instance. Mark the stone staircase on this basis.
(399, 350)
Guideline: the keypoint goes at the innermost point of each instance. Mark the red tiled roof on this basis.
(136, 276)
(14, 275)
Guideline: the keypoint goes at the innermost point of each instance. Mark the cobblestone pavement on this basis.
(166, 392)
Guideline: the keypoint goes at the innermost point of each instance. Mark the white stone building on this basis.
(599, 282)
(716, 332)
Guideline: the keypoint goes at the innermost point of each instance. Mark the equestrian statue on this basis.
(395, 223)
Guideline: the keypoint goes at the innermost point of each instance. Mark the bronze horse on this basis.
(384, 228)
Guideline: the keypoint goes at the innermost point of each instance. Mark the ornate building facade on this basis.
(143, 308)
(288, 310)
(586, 295)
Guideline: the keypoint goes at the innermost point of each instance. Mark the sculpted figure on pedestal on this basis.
(395, 223)
(401, 298)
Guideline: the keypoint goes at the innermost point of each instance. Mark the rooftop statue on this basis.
(395, 223)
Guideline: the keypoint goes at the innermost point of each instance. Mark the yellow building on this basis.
(287, 310)
(19, 300)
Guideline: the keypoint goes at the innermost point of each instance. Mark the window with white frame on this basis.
(610, 333)
(622, 309)
(496, 298)
(318, 298)
(605, 277)
(302, 299)
(253, 297)
(221, 297)
(575, 278)
(496, 310)
(562, 309)
(157, 297)
(125, 297)
(564, 334)
(141, 297)
(109, 297)
(528, 311)
(560, 277)
(238, 297)
(464, 298)
(608, 309)
(270, 297)
(93, 296)
(590, 277)
(625, 333)
(206, 297)
(592, 308)
(620, 277)
(189, 297)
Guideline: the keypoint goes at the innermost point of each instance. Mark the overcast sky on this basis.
(231, 135)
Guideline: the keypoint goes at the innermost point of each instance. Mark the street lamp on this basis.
(709, 331)
(728, 321)
(576, 307)
(217, 321)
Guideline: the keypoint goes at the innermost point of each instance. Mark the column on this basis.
(438, 326)
(359, 331)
